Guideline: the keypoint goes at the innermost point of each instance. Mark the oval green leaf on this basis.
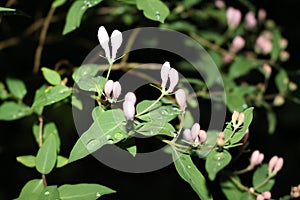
(51, 76)
(28, 161)
(16, 87)
(10, 110)
(154, 9)
(31, 190)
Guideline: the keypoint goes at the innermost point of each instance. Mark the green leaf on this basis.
(88, 70)
(241, 132)
(3, 92)
(39, 109)
(210, 142)
(230, 190)
(259, 176)
(215, 162)
(83, 191)
(47, 155)
(241, 66)
(154, 9)
(76, 12)
(92, 84)
(275, 44)
(58, 3)
(52, 95)
(236, 97)
(16, 87)
(271, 117)
(190, 3)
(61, 161)
(156, 128)
(188, 120)
(247, 196)
(108, 128)
(182, 26)
(28, 161)
(189, 172)
(129, 145)
(50, 193)
(77, 103)
(282, 81)
(31, 190)
(51, 76)
(140, 107)
(10, 110)
(2, 9)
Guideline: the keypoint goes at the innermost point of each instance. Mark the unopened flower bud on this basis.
(227, 58)
(237, 44)
(241, 118)
(220, 139)
(272, 163)
(164, 73)
(181, 99)
(275, 165)
(292, 86)
(263, 45)
(278, 166)
(233, 17)
(187, 135)
(130, 96)
(284, 56)
(104, 39)
(283, 43)
(260, 197)
(278, 100)
(116, 41)
(250, 20)
(129, 110)
(108, 88)
(202, 135)
(195, 131)
(116, 90)
(267, 195)
(234, 116)
(174, 78)
(262, 15)
(267, 70)
(219, 3)
(256, 159)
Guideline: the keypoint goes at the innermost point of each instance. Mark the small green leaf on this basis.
(77, 103)
(241, 66)
(10, 110)
(275, 44)
(230, 190)
(28, 161)
(61, 161)
(51, 76)
(47, 155)
(129, 145)
(52, 95)
(58, 3)
(83, 191)
(215, 162)
(92, 84)
(140, 107)
(39, 109)
(3, 92)
(236, 97)
(31, 190)
(189, 172)
(16, 87)
(247, 196)
(88, 70)
(188, 120)
(282, 81)
(154, 9)
(76, 12)
(156, 128)
(50, 193)
(259, 176)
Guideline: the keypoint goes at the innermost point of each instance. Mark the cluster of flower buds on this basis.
(195, 134)
(237, 119)
(295, 193)
(129, 106)
(171, 74)
(275, 165)
(265, 195)
(234, 17)
(256, 159)
(180, 98)
(250, 20)
(263, 43)
(115, 40)
(237, 44)
(114, 88)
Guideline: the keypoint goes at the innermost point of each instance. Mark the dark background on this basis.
(16, 138)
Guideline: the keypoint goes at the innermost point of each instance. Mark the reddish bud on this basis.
(237, 44)
(219, 3)
(267, 70)
(250, 20)
(262, 15)
(233, 17)
(267, 195)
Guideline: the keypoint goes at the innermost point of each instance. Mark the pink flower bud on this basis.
(227, 58)
(104, 39)
(278, 166)
(202, 135)
(260, 197)
(263, 45)
(116, 90)
(108, 88)
(272, 163)
(256, 158)
(267, 195)
(195, 131)
(234, 116)
(241, 118)
(164, 73)
(187, 135)
(181, 99)
(250, 20)
(220, 140)
(237, 44)
(267, 69)
(284, 56)
(283, 43)
(262, 15)
(174, 78)
(130, 96)
(233, 17)
(129, 110)
(116, 41)
(219, 3)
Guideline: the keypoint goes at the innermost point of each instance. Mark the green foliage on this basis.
(16, 87)
(10, 110)
(241, 66)
(28, 161)
(51, 76)
(230, 189)
(260, 175)
(189, 172)
(49, 193)
(282, 81)
(32, 190)
(154, 9)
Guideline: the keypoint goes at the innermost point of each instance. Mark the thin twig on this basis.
(41, 121)
(39, 49)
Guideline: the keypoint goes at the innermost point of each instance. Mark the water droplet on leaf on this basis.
(47, 193)
(157, 15)
(118, 135)
(98, 194)
(189, 167)
(92, 144)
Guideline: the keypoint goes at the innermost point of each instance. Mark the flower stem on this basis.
(151, 106)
